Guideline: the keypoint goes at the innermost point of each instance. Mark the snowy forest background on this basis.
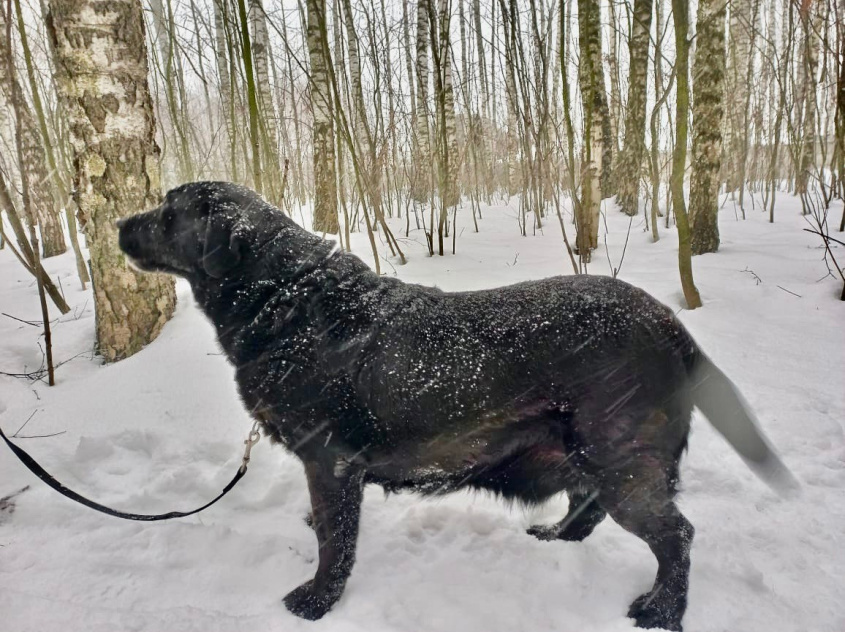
(696, 150)
(371, 111)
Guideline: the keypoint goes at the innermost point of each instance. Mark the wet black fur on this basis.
(577, 384)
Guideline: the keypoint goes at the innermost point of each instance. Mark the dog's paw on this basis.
(543, 532)
(308, 603)
(570, 533)
(649, 613)
(575, 532)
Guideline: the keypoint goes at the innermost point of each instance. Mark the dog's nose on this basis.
(120, 223)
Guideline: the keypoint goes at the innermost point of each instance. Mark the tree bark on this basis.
(261, 53)
(811, 23)
(449, 187)
(34, 166)
(173, 75)
(107, 100)
(421, 185)
(17, 105)
(738, 60)
(325, 185)
(58, 176)
(680, 12)
(221, 18)
(596, 176)
(252, 99)
(633, 152)
(708, 105)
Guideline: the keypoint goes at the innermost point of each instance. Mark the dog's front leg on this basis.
(336, 490)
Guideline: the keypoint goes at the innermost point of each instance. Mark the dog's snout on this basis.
(126, 237)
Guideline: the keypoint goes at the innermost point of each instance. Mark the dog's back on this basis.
(577, 384)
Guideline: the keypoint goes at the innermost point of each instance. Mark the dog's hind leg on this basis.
(583, 516)
(336, 491)
(640, 501)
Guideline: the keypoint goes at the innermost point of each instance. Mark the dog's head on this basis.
(202, 228)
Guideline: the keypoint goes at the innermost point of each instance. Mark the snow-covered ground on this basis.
(163, 430)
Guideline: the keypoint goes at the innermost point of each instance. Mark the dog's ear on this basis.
(223, 245)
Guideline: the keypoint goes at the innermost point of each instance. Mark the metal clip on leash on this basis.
(253, 438)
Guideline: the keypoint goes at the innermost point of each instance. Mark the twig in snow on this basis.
(823, 235)
(754, 274)
(24, 423)
(31, 323)
(790, 292)
(46, 436)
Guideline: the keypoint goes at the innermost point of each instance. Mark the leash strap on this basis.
(39, 471)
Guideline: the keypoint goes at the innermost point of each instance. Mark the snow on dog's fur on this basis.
(581, 384)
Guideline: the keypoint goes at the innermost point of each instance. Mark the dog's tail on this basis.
(725, 407)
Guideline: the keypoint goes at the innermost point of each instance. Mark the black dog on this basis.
(581, 384)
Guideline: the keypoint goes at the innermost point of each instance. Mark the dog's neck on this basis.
(274, 292)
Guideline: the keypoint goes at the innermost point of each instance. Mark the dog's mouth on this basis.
(139, 265)
(134, 264)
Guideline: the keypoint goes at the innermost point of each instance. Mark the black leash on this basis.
(39, 471)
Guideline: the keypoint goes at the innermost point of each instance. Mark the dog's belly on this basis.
(523, 462)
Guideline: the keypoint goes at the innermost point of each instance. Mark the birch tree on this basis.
(739, 60)
(596, 175)
(633, 152)
(225, 77)
(444, 96)
(261, 54)
(708, 99)
(34, 162)
(811, 20)
(173, 74)
(323, 145)
(420, 186)
(58, 175)
(680, 15)
(107, 101)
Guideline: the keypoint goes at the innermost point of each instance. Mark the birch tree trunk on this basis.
(58, 176)
(513, 162)
(221, 17)
(680, 14)
(252, 99)
(839, 119)
(409, 61)
(34, 167)
(708, 105)
(358, 111)
(448, 126)
(811, 23)
(107, 100)
(615, 101)
(597, 142)
(482, 59)
(421, 186)
(738, 61)
(165, 37)
(261, 53)
(786, 52)
(323, 145)
(294, 108)
(634, 146)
